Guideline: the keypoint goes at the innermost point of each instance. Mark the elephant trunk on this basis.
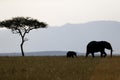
(111, 53)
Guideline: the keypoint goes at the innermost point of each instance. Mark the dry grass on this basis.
(59, 68)
(108, 69)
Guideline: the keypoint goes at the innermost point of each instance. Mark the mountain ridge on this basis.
(91, 22)
(73, 37)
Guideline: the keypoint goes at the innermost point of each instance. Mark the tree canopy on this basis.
(22, 26)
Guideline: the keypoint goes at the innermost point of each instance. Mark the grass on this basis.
(59, 68)
(108, 69)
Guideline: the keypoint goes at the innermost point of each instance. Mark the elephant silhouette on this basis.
(98, 46)
(71, 54)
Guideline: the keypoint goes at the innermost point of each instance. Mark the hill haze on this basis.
(64, 38)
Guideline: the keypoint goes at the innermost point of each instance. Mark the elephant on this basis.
(98, 46)
(71, 54)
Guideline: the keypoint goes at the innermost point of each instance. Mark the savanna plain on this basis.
(59, 68)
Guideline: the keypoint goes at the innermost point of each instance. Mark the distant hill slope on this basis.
(41, 53)
(64, 38)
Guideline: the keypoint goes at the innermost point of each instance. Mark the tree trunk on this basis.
(21, 45)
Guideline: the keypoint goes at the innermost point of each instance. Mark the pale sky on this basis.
(60, 12)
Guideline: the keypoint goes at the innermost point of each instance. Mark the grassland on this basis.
(59, 68)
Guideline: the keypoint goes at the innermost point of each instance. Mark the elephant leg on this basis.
(103, 54)
(93, 55)
(87, 54)
(72, 56)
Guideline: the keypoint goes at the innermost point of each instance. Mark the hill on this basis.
(41, 53)
(64, 38)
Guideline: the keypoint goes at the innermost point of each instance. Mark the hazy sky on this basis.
(59, 12)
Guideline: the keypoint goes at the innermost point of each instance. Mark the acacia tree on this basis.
(22, 26)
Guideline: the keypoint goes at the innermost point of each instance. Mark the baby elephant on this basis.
(71, 54)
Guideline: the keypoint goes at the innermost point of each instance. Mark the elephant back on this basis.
(92, 46)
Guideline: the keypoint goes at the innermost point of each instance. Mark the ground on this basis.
(59, 68)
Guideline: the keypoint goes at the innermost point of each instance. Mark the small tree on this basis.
(22, 26)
